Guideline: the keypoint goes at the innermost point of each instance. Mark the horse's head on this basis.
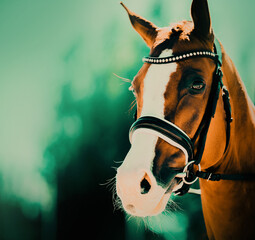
(177, 92)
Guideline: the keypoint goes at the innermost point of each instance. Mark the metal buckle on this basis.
(186, 172)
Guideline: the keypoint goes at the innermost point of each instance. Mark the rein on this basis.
(175, 136)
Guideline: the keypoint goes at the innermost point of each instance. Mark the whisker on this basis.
(118, 162)
(172, 206)
(122, 78)
(129, 217)
(132, 105)
(108, 182)
(117, 204)
(145, 222)
(115, 168)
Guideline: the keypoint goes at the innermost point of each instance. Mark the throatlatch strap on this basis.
(217, 177)
(225, 94)
(227, 108)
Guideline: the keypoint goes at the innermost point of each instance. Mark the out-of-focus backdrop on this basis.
(64, 115)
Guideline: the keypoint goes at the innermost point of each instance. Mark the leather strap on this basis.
(217, 50)
(211, 106)
(218, 177)
(165, 128)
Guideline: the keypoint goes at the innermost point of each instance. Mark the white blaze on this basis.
(155, 83)
(139, 159)
(142, 151)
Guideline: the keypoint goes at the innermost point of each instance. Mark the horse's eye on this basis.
(198, 85)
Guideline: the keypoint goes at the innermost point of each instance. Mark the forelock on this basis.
(167, 37)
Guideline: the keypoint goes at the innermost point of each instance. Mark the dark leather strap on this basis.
(218, 177)
(217, 84)
(217, 50)
(167, 129)
(225, 93)
(210, 108)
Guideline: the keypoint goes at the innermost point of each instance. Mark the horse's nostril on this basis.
(145, 185)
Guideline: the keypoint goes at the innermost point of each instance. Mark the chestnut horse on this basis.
(188, 92)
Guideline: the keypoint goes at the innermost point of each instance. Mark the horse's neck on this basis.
(241, 152)
(228, 206)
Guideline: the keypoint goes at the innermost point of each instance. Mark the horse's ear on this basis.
(146, 29)
(201, 18)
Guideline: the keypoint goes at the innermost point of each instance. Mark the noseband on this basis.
(175, 136)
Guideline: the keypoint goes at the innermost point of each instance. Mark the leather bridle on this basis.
(175, 136)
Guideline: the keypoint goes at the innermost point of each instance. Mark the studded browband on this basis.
(180, 57)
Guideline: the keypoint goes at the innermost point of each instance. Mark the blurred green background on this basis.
(64, 115)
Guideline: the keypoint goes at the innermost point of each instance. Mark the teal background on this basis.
(64, 115)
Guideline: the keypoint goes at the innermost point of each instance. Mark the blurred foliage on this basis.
(65, 115)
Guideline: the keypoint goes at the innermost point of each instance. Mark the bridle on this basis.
(175, 136)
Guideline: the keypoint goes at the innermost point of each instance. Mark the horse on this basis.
(194, 120)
